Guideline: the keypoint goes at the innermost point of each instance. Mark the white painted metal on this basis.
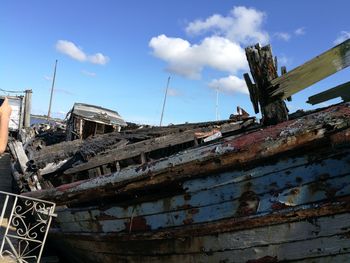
(24, 235)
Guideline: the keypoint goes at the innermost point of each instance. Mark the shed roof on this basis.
(97, 114)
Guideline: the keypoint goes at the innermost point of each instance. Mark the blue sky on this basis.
(119, 54)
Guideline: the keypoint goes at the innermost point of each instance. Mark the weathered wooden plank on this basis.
(289, 215)
(235, 151)
(253, 205)
(298, 251)
(51, 167)
(136, 149)
(316, 69)
(264, 69)
(243, 239)
(17, 151)
(253, 92)
(227, 189)
(342, 91)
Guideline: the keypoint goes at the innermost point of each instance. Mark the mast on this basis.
(52, 87)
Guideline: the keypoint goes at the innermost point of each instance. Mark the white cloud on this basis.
(229, 84)
(88, 73)
(188, 60)
(282, 36)
(77, 53)
(344, 35)
(221, 47)
(70, 49)
(173, 92)
(300, 31)
(242, 25)
(48, 78)
(98, 58)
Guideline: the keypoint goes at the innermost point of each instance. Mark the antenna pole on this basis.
(166, 93)
(52, 88)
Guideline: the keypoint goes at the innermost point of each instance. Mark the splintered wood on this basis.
(263, 69)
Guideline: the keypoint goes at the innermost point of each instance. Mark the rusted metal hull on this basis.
(293, 208)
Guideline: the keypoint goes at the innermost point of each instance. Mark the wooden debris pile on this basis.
(39, 166)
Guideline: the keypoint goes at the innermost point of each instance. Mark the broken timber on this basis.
(331, 126)
(263, 69)
(342, 91)
(312, 71)
(147, 146)
(18, 153)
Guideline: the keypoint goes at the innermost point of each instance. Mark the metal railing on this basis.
(24, 225)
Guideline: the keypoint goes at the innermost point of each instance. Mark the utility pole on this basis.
(52, 87)
(166, 93)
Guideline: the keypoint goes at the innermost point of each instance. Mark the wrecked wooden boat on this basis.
(227, 191)
(280, 193)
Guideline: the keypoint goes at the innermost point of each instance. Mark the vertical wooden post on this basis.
(263, 69)
(27, 107)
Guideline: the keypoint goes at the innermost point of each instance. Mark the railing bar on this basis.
(24, 238)
(46, 232)
(48, 210)
(29, 198)
(8, 225)
(13, 248)
(3, 210)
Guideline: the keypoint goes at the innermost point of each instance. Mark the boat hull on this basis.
(293, 208)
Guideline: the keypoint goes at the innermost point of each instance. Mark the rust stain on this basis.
(294, 191)
(187, 196)
(279, 206)
(340, 205)
(135, 224)
(188, 221)
(185, 206)
(248, 204)
(193, 211)
(340, 138)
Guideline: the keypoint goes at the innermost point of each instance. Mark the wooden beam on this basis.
(143, 147)
(342, 91)
(310, 131)
(316, 69)
(18, 153)
(253, 92)
(263, 69)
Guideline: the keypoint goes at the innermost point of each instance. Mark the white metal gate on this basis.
(24, 225)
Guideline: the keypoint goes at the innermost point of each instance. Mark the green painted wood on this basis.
(342, 91)
(316, 69)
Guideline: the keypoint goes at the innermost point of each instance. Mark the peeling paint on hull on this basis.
(297, 203)
(278, 194)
